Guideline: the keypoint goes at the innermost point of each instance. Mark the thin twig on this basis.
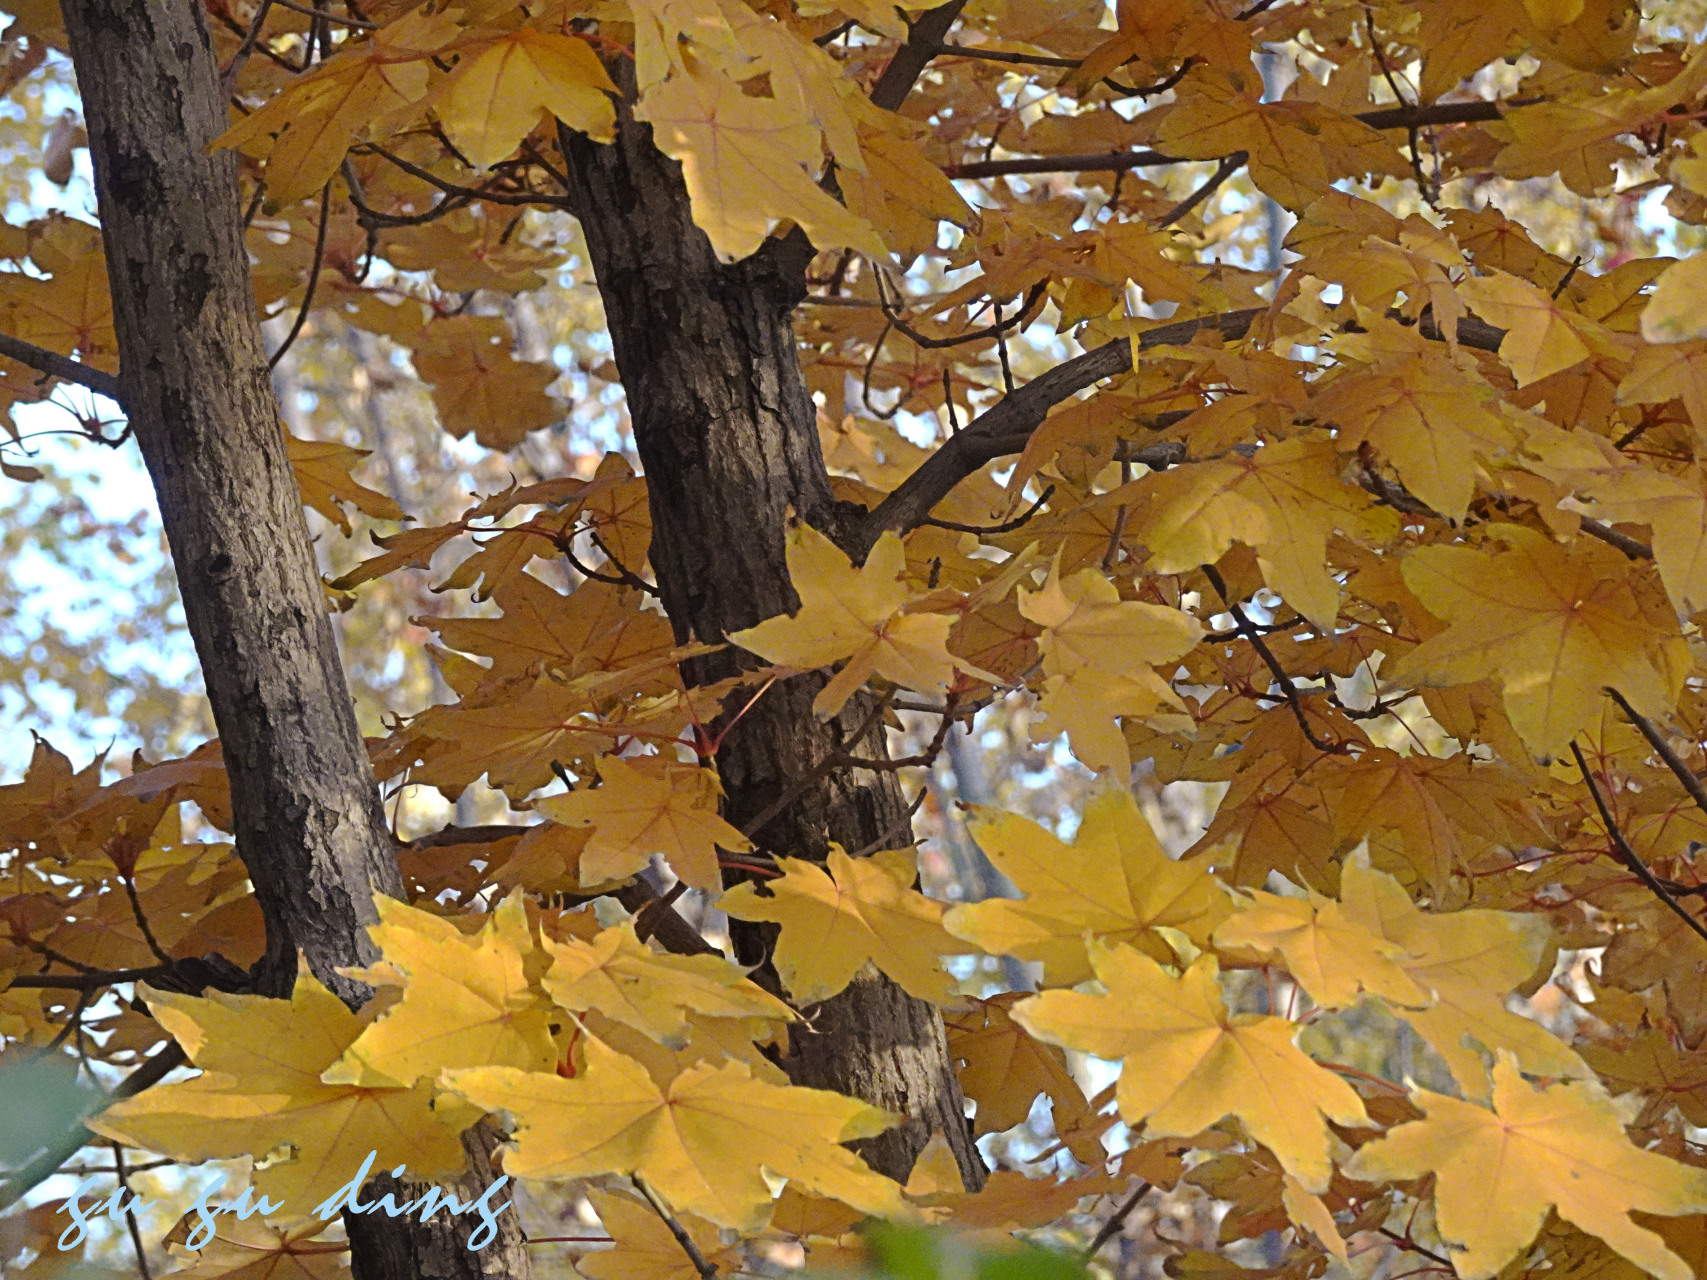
(1002, 347)
(316, 13)
(313, 276)
(1226, 169)
(123, 1176)
(706, 1270)
(1411, 1246)
(229, 76)
(1281, 677)
(903, 823)
(1679, 768)
(142, 921)
(626, 575)
(485, 194)
(1628, 855)
(1007, 526)
(960, 339)
(1115, 1222)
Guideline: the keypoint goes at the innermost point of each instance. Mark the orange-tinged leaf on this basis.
(1190, 1063)
(318, 115)
(640, 811)
(1469, 961)
(1296, 149)
(322, 470)
(1003, 1069)
(478, 386)
(839, 917)
(701, 1143)
(645, 1248)
(281, 1249)
(1499, 1170)
(1282, 501)
(1096, 650)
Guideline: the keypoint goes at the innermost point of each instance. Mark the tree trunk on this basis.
(727, 433)
(199, 398)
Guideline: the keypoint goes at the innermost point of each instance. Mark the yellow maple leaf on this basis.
(467, 1000)
(322, 470)
(1543, 335)
(838, 917)
(1096, 649)
(1282, 501)
(749, 164)
(1113, 883)
(1191, 1063)
(1332, 956)
(1498, 1171)
(624, 980)
(1554, 625)
(646, 809)
(261, 1089)
(1297, 149)
(856, 614)
(1469, 961)
(645, 1247)
(703, 1142)
(504, 83)
(1426, 416)
(1674, 312)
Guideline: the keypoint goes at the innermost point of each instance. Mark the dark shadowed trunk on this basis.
(727, 434)
(199, 397)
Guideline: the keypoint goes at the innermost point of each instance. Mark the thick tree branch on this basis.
(63, 367)
(1403, 117)
(924, 41)
(1006, 427)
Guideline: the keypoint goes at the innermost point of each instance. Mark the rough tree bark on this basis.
(196, 388)
(727, 434)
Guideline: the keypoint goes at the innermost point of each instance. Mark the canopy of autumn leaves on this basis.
(1402, 549)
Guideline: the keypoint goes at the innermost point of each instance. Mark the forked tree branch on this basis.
(1006, 427)
(62, 367)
